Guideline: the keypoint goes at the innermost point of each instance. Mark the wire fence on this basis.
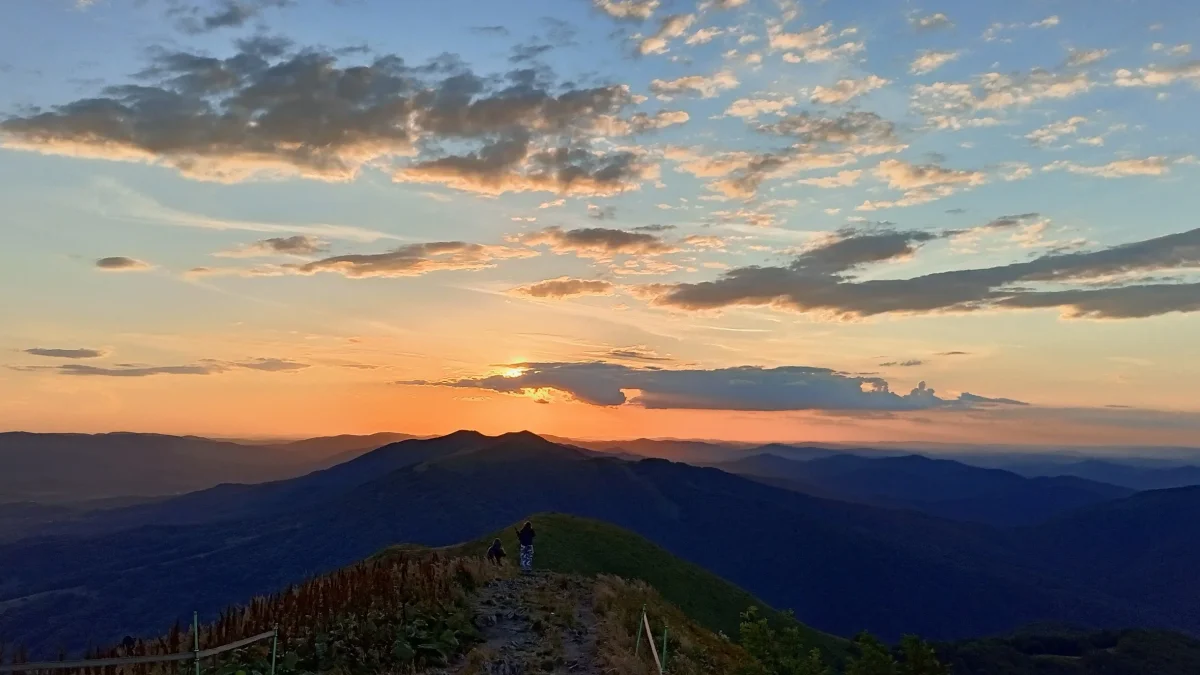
(196, 655)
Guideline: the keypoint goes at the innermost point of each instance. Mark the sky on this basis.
(738, 219)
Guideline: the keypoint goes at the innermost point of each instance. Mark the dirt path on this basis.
(540, 623)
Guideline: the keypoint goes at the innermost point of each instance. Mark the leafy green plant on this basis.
(783, 651)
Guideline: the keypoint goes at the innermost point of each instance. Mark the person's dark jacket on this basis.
(496, 552)
(525, 536)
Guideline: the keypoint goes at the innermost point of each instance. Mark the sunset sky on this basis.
(744, 219)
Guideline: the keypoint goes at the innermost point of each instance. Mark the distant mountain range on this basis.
(938, 487)
(72, 468)
(843, 567)
(1134, 477)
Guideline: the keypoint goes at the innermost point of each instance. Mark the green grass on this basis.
(574, 545)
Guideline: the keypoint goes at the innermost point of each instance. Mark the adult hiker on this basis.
(525, 535)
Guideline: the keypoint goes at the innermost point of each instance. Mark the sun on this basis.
(513, 372)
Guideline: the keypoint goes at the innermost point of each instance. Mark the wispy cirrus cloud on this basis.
(930, 22)
(1120, 168)
(204, 367)
(409, 260)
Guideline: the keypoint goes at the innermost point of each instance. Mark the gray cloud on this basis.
(196, 19)
(601, 212)
(953, 353)
(66, 353)
(489, 30)
(204, 367)
(406, 261)
(510, 165)
(814, 282)
(739, 388)
(528, 52)
(565, 287)
(271, 109)
(413, 260)
(1129, 302)
(599, 242)
(852, 248)
(902, 364)
(635, 353)
(122, 264)
(654, 228)
(865, 129)
(139, 371)
(972, 399)
(295, 245)
(740, 174)
(1009, 222)
(271, 365)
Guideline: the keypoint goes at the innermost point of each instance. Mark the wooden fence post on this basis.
(196, 638)
(637, 650)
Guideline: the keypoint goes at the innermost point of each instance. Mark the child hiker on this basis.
(496, 553)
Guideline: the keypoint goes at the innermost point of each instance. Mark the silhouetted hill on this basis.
(938, 487)
(1143, 547)
(843, 567)
(692, 452)
(1112, 652)
(236, 501)
(1116, 473)
(57, 468)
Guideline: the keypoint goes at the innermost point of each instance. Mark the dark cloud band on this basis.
(741, 388)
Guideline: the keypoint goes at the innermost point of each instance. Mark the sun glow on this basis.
(513, 372)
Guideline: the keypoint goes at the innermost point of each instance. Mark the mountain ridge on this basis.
(843, 567)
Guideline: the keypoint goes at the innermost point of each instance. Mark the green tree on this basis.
(814, 664)
(920, 658)
(873, 657)
(778, 652)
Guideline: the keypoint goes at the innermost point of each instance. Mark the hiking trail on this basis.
(537, 623)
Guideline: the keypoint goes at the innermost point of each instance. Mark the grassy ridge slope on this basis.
(574, 545)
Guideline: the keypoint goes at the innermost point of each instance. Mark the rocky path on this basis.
(540, 623)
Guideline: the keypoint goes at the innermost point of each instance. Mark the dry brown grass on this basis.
(691, 650)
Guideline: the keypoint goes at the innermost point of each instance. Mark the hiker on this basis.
(496, 554)
(525, 535)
